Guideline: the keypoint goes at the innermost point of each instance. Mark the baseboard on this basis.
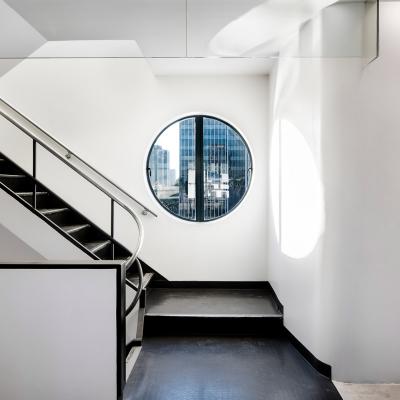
(278, 304)
(321, 367)
(156, 283)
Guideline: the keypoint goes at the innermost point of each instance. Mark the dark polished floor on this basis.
(224, 368)
(211, 302)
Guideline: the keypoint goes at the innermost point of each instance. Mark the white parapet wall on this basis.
(62, 331)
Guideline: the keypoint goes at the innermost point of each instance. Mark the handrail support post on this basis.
(112, 228)
(34, 174)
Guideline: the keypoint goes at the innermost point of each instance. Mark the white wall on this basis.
(341, 300)
(36, 234)
(58, 338)
(295, 99)
(110, 111)
(13, 248)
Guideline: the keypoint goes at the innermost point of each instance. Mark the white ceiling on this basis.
(158, 26)
(166, 31)
(175, 35)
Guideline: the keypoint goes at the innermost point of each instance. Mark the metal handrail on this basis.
(137, 288)
(127, 263)
(69, 154)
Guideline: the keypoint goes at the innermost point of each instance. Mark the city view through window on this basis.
(199, 168)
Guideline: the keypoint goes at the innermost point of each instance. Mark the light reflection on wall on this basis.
(297, 195)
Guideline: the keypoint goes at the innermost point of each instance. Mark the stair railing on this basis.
(64, 154)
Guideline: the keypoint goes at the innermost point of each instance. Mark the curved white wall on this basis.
(341, 300)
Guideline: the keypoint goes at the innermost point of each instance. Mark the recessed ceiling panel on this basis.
(158, 26)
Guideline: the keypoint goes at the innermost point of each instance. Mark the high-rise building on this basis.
(226, 166)
(159, 168)
(226, 163)
(163, 178)
(187, 169)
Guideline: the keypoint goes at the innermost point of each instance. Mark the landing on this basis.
(228, 368)
(211, 302)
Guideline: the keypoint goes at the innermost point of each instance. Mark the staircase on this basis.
(164, 309)
(57, 213)
(69, 223)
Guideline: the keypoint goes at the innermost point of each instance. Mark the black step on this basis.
(101, 249)
(94, 247)
(212, 311)
(60, 214)
(16, 182)
(12, 176)
(120, 253)
(72, 229)
(28, 196)
(10, 168)
(52, 211)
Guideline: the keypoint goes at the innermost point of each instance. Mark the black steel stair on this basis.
(71, 224)
(64, 218)
(72, 229)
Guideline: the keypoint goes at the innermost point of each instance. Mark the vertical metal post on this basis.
(112, 228)
(34, 174)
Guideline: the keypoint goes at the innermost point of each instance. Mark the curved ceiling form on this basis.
(265, 29)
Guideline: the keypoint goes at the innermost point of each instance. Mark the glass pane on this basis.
(172, 169)
(227, 165)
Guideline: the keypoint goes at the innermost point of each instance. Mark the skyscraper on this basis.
(187, 169)
(226, 163)
(159, 168)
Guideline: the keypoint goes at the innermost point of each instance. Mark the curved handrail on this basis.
(138, 289)
(69, 153)
(127, 263)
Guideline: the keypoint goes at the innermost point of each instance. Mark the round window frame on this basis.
(251, 169)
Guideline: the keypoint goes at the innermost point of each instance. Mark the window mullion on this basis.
(199, 170)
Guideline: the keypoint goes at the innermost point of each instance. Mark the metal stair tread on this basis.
(97, 246)
(49, 211)
(74, 228)
(23, 194)
(12, 176)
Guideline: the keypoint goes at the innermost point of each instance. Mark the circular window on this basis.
(199, 168)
